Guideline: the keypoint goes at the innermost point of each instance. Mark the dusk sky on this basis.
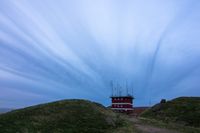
(68, 49)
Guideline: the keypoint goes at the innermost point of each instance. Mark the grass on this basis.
(82, 116)
(183, 110)
(128, 126)
(170, 125)
(67, 116)
(181, 114)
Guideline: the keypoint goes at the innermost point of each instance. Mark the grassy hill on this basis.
(67, 116)
(183, 110)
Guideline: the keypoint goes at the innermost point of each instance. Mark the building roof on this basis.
(125, 96)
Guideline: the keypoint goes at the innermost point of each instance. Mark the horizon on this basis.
(86, 100)
(53, 50)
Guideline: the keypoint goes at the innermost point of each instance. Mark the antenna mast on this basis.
(111, 84)
(132, 89)
(126, 88)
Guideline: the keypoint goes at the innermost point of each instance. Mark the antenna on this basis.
(120, 91)
(111, 84)
(150, 102)
(126, 88)
(132, 89)
(132, 92)
(117, 88)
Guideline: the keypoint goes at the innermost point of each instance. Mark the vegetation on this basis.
(170, 125)
(183, 110)
(82, 116)
(67, 116)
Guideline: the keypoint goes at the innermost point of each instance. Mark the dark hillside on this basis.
(183, 110)
(67, 116)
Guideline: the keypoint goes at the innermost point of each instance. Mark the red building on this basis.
(122, 103)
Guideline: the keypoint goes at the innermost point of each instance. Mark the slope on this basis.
(183, 110)
(69, 116)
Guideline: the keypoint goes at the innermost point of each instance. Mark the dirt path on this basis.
(151, 129)
(144, 128)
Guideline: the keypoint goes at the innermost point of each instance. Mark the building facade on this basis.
(122, 103)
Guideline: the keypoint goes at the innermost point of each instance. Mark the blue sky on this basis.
(60, 49)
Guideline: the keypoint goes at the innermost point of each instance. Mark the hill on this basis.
(183, 110)
(67, 116)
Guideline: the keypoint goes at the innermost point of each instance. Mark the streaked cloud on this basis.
(52, 50)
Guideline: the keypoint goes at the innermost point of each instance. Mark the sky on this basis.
(72, 49)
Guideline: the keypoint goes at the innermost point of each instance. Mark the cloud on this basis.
(72, 49)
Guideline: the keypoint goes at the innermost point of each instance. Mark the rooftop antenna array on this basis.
(118, 90)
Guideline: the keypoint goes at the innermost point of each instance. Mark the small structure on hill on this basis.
(121, 102)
